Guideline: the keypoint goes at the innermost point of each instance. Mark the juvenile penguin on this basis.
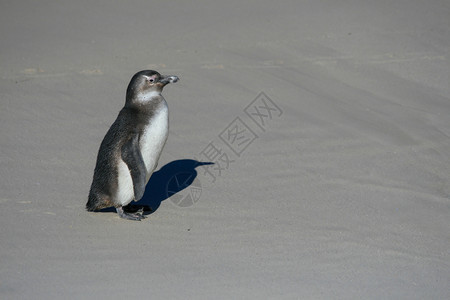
(130, 150)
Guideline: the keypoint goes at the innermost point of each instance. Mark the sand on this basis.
(328, 123)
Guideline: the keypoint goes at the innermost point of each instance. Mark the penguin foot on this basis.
(133, 208)
(136, 216)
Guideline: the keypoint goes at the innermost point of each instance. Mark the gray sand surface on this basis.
(331, 184)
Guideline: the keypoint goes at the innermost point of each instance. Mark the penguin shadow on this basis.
(168, 181)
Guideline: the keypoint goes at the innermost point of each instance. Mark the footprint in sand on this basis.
(91, 72)
(32, 71)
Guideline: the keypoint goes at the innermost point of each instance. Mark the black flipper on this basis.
(132, 156)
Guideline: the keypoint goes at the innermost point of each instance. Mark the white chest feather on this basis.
(125, 190)
(153, 139)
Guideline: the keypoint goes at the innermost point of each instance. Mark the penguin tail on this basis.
(91, 205)
(98, 201)
(94, 202)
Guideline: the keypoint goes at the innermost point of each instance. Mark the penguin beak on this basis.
(168, 79)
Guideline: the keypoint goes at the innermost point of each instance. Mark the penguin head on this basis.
(146, 85)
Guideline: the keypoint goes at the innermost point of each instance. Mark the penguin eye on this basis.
(151, 80)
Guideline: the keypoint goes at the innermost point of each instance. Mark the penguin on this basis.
(131, 148)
